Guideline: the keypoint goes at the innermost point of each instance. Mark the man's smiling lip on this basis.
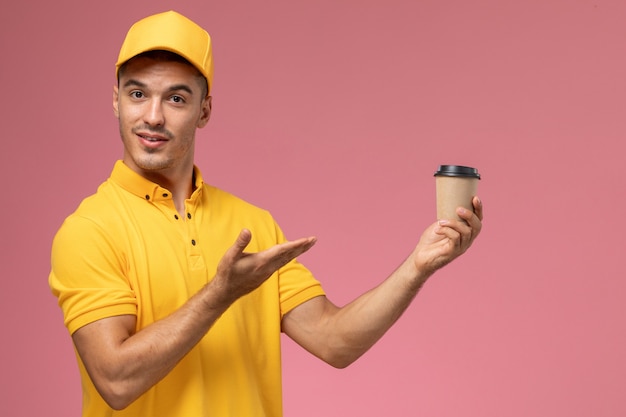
(151, 136)
(150, 140)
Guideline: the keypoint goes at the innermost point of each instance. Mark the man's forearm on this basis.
(339, 336)
(123, 365)
(361, 323)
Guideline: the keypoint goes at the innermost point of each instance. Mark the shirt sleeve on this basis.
(88, 274)
(296, 283)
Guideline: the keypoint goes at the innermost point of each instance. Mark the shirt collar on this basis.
(146, 189)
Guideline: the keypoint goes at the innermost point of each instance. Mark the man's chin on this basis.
(148, 164)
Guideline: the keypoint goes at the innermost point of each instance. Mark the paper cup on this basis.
(456, 187)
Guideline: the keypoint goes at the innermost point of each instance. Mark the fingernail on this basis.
(442, 222)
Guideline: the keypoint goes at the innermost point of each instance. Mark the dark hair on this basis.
(166, 56)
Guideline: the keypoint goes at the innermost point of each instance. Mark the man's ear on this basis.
(116, 95)
(205, 112)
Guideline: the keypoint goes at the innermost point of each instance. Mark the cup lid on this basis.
(457, 171)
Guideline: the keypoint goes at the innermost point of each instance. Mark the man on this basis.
(175, 292)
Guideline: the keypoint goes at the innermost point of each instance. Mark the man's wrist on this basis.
(215, 297)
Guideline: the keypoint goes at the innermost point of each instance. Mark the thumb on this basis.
(236, 250)
(244, 238)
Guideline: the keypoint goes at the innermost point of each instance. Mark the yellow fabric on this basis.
(169, 31)
(124, 252)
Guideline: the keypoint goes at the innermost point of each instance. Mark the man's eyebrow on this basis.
(176, 87)
(134, 83)
(179, 87)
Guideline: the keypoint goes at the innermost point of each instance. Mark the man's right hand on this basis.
(239, 272)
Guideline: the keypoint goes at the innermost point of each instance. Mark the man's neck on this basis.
(181, 186)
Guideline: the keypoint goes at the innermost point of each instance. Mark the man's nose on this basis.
(154, 113)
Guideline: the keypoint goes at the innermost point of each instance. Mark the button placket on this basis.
(192, 233)
(193, 238)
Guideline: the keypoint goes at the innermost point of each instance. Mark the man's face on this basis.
(159, 105)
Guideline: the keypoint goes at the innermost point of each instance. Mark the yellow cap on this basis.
(169, 31)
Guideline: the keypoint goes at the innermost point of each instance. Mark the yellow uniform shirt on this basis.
(126, 250)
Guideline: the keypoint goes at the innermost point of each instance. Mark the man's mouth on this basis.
(151, 138)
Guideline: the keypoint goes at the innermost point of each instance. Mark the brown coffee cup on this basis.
(456, 187)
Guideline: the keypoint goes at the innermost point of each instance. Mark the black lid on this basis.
(457, 171)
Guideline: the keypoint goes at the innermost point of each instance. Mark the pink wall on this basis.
(333, 115)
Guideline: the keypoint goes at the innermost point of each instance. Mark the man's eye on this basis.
(136, 94)
(177, 99)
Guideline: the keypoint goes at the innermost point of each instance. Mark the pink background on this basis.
(333, 115)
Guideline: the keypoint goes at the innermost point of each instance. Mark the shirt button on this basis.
(189, 215)
(193, 242)
(176, 216)
(165, 195)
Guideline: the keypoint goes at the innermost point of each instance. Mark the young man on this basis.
(175, 292)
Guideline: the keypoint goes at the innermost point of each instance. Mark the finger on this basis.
(465, 214)
(301, 246)
(295, 248)
(244, 238)
(236, 250)
(470, 217)
(465, 230)
(450, 229)
(478, 207)
(468, 227)
(473, 219)
(282, 254)
(304, 244)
